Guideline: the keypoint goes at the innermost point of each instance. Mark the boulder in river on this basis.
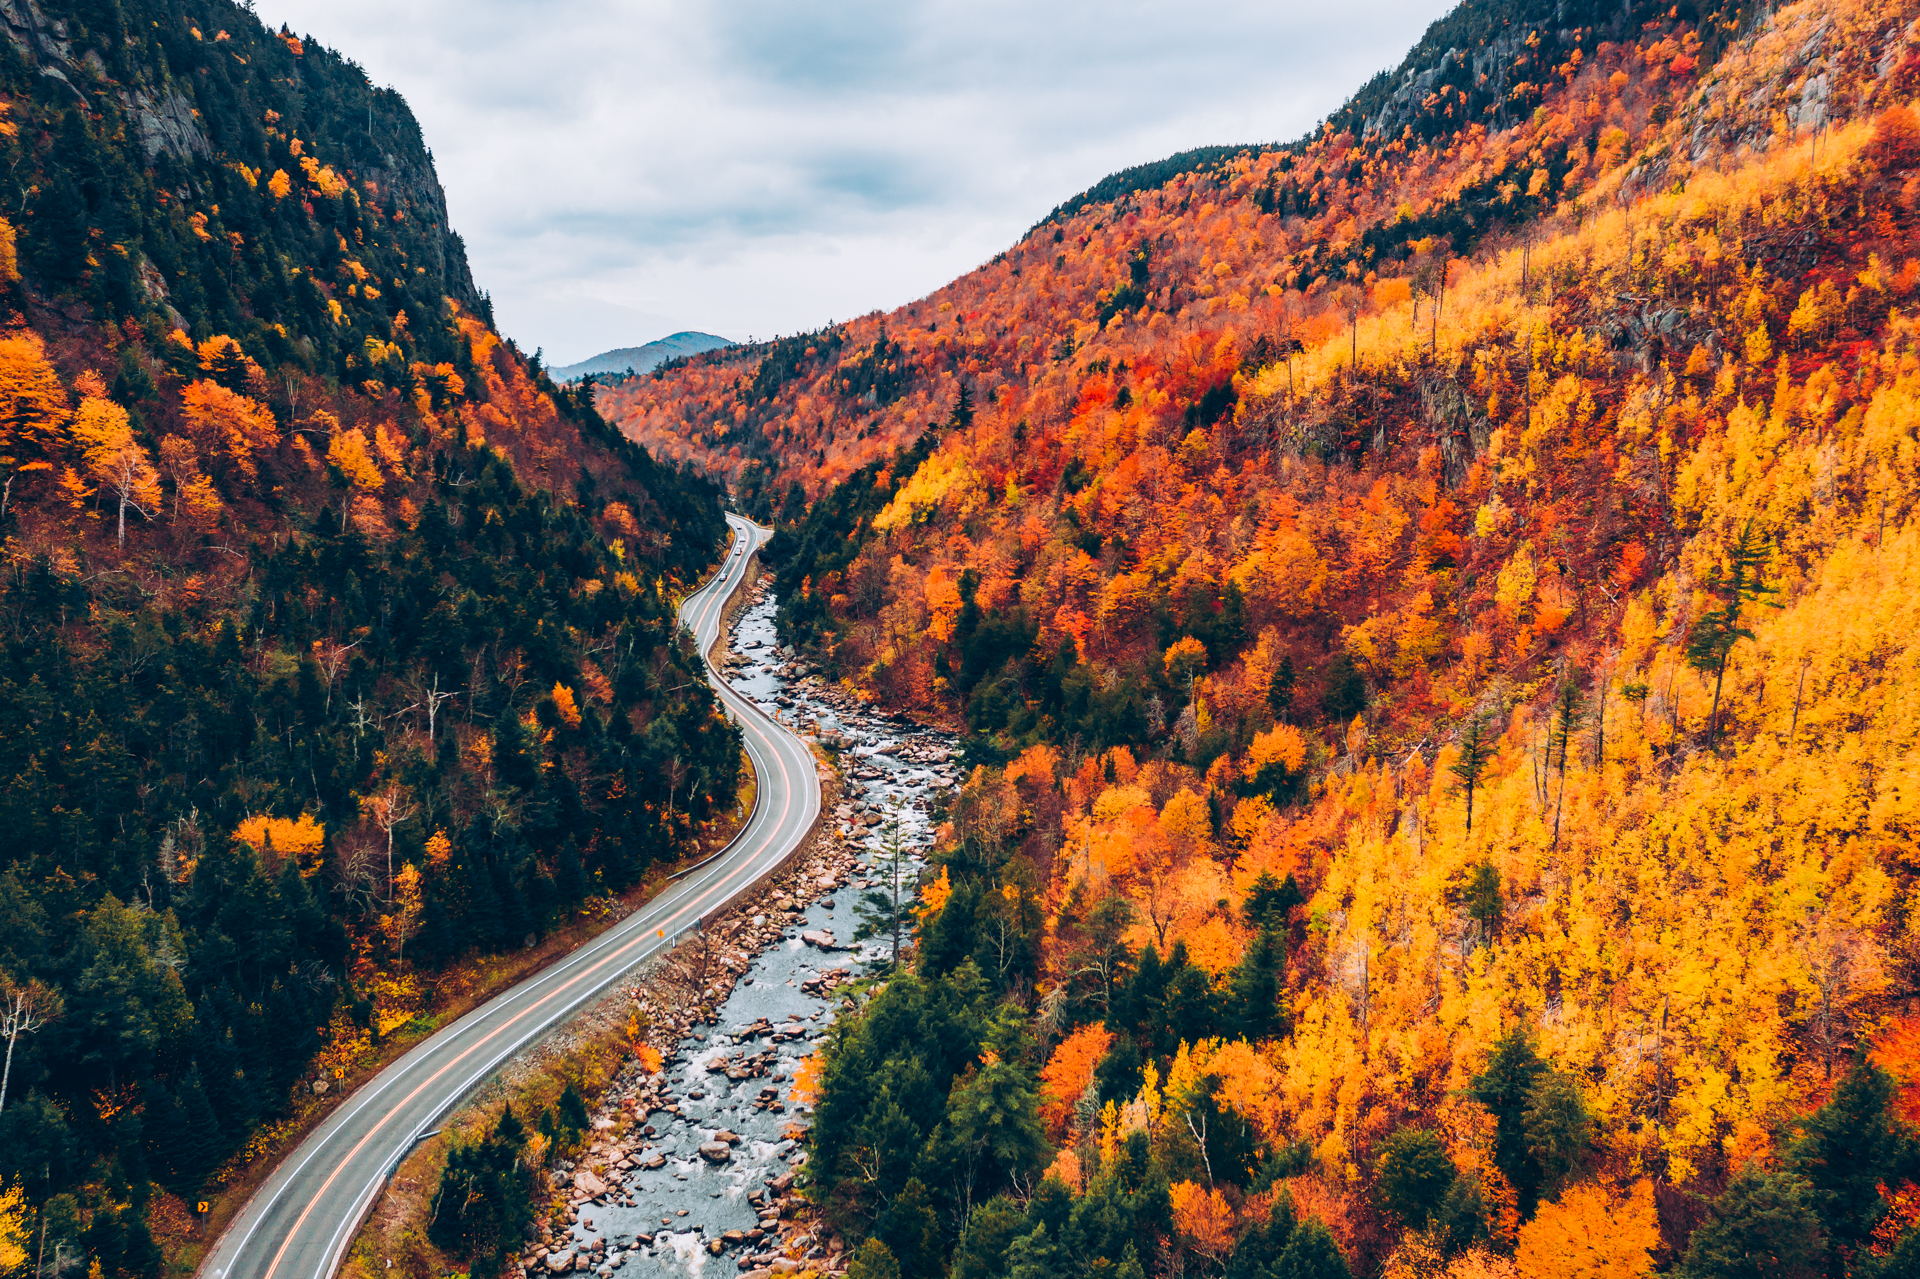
(816, 937)
(716, 1152)
(589, 1185)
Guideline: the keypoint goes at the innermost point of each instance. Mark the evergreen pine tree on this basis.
(1710, 640)
(1118, 1074)
(572, 1110)
(168, 1138)
(1476, 749)
(201, 1144)
(510, 1130)
(1484, 902)
(484, 1200)
(1280, 687)
(1414, 1176)
(436, 943)
(61, 231)
(1143, 1009)
(1568, 709)
(873, 1260)
(1762, 1227)
(1269, 903)
(1346, 691)
(962, 417)
(1257, 985)
(484, 920)
(911, 1232)
(516, 921)
(887, 910)
(570, 874)
(1312, 1254)
(1502, 1088)
(1558, 1130)
(1848, 1151)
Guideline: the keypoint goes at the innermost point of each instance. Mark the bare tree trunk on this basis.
(1799, 688)
(7, 1073)
(1713, 720)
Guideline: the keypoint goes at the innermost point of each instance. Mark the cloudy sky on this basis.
(625, 168)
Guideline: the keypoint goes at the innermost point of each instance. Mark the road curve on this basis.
(300, 1222)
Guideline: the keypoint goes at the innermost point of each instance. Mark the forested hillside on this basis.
(1432, 606)
(336, 643)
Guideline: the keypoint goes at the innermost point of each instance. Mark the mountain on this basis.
(1407, 161)
(339, 641)
(1431, 610)
(640, 359)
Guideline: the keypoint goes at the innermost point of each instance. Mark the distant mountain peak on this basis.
(640, 359)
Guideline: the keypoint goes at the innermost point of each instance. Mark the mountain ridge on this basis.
(338, 650)
(641, 359)
(1416, 602)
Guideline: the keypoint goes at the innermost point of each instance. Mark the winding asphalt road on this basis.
(299, 1223)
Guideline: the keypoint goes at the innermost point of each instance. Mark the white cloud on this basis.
(620, 168)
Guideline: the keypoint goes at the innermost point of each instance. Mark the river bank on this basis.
(690, 1171)
(692, 1168)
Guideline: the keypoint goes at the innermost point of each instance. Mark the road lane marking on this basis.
(495, 1006)
(779, 746)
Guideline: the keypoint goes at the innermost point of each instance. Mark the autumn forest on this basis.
(338, 651)
(1430, 606)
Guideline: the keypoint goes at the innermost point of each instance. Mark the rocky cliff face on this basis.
(230, 171)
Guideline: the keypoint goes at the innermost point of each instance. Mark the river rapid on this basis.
(699, 1182)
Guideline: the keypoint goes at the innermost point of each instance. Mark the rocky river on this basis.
(690, 1171)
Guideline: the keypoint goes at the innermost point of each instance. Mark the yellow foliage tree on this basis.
(1186, 823)
(401, 924)
(33, 407)
(194, 498)
(1283, 744)
(568, 708)
(277, 837)
(1479, 1263)
(933, 898)
(13, 1228)
(349, 452)
(943, 604)
(945, 479)
(1591, 1233)
(1065, 1169)
(1117, 801)
(1185, 659)
(1250, 817)
(806, 1079)
(115, 460)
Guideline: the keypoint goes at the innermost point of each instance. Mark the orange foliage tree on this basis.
(1068, 1072)
(228, 424)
